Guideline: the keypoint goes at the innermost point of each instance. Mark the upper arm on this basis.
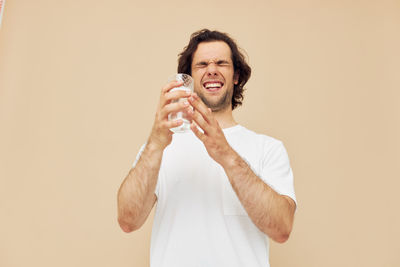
(277, 172)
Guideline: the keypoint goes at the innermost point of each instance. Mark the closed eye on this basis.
(222, 63)
(201, 64)
(219, 63)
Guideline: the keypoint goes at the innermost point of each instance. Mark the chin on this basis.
(222, 103)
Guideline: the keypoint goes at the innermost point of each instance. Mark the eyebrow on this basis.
(222, 61)
(219, 61)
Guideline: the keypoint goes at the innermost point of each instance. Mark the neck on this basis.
(225, 118)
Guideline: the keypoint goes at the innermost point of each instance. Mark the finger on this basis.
(199, 105)
(167, 88)
(175, 95)
(172, 124)
(173, 108)
(170, 86)
(199, 119)
(196, 131)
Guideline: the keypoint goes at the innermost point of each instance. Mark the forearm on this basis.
(271, 212)
(136, 194)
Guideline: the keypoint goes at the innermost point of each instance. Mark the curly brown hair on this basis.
(240, 65)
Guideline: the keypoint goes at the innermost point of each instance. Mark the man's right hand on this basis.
(161, 136)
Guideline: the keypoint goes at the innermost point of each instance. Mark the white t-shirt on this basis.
(199, 220)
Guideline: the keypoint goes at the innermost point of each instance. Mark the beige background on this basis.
(79, 83)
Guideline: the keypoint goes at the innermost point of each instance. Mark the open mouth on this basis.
(213, 86)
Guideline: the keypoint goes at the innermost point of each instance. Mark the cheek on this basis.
(228, 73)
(197, 76)
(197, 87)
(197, 73)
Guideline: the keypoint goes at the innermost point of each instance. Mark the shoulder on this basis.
(260, 139)
(254, 146)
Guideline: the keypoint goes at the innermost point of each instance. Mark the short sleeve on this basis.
(276, 170)
(139, 154)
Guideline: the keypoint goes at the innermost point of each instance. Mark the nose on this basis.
(212, 69)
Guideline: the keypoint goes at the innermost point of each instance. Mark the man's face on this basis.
(213, 74)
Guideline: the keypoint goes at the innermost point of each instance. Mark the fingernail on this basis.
(191, 98)
(185, 103)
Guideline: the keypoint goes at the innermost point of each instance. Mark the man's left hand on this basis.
(212, 136)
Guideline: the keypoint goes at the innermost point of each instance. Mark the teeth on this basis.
(208, 85)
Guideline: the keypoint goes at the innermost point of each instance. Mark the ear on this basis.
(236, 78)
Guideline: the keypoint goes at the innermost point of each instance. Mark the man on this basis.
(221, 190)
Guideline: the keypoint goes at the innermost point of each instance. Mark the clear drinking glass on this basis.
(187, 86)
